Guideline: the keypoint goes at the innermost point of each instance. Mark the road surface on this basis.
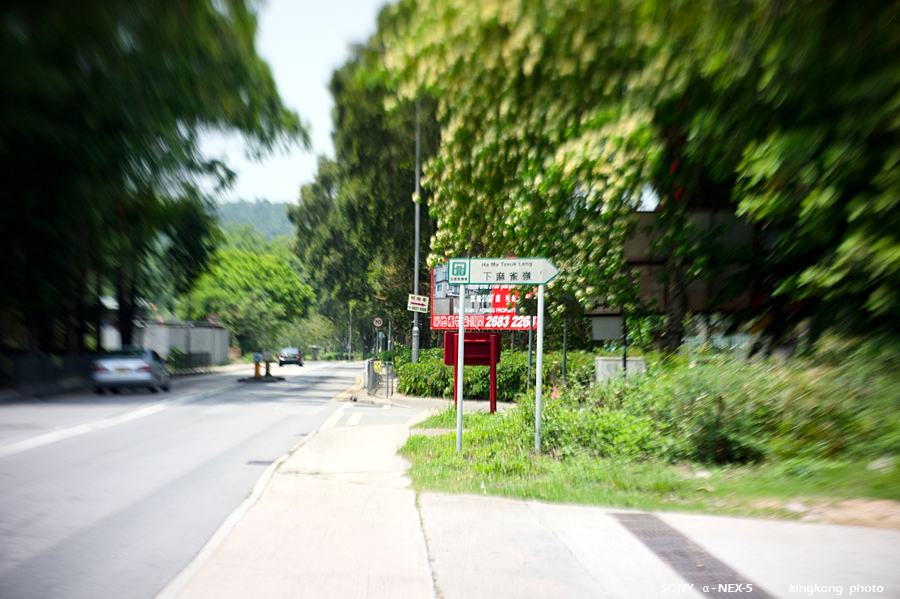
(112, 496)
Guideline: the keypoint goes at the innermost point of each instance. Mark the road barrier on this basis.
(379, 375)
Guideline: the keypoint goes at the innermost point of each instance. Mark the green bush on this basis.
(721, 410)
(402, 355)
(430, 378)
(841, 402)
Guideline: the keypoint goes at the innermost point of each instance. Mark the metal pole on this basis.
(265, 321)
(565, 336)
(459, 365)
(539, 378)
(415, 331)
(350, 338)
(187, 332)
(530, 337)
(624, 343)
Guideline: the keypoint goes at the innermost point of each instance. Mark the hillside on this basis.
(270, 218)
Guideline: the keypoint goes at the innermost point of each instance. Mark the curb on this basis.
(177, 584)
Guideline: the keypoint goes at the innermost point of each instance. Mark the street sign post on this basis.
(417, 303)
(502, 271)
(459, 361)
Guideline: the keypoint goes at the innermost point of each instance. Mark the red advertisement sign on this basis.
(488, 307)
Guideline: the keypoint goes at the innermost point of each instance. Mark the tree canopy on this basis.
(557, 115)
(101, 108)
(250, 291)
(355, 224)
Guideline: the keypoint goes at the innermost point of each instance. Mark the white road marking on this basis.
(89, 427)
(354, 419)
(333, 419)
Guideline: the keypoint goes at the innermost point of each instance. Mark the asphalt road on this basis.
(112, 496)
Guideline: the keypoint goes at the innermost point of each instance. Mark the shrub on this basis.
(721, 410)
(430, 378)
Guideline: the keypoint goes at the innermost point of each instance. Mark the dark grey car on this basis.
(290, 355)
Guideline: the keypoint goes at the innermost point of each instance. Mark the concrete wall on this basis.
(607, 368)
(194, 339)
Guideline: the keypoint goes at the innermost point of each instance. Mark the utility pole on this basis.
(415, 331)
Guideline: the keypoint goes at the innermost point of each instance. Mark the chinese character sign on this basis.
(488, 307)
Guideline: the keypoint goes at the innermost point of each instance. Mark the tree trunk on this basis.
(98, 312)
(676, 309)
(124, 294)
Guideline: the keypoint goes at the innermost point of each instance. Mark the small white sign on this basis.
(377, 322)
(501, 271)
(417, 303)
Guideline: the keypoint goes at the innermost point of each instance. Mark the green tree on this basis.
(356, 222)
(557, 115)
(249, 291)
(101, 108)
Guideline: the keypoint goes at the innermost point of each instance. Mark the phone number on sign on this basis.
(504, 322)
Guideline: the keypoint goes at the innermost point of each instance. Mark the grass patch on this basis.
(490, 465)
(447, 419)
(704, 434)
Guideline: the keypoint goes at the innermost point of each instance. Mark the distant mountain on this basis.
(270, 218)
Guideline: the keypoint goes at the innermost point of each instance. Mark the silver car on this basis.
(131, 366)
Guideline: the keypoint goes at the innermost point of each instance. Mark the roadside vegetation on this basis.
(429, 377)
(699, 432)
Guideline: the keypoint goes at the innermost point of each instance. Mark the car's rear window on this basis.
(126, 352)
(289, 350)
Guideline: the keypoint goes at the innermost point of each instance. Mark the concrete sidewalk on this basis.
(339, 520)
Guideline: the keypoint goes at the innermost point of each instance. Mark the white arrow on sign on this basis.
(501, 271)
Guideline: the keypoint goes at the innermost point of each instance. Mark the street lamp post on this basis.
(415, 331)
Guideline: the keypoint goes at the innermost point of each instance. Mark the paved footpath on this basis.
(338, 519)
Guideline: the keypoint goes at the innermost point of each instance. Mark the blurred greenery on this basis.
(429, 377)
(356, 221)
(702, 432)
(558, 116)
(102, 105)
(256, 288)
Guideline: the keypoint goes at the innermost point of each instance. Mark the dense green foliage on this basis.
(255, 288)
(267, 217)
(356, 221)
(702, 433)
(841, 403)
(558, 115)
(430, 378)
(102, 105)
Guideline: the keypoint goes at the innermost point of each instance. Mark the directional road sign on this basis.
(501, 271)
(417, 303)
